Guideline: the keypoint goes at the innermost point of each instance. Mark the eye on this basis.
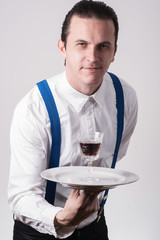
(81, 44)
(104, 46)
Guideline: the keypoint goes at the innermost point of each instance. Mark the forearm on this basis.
(78, 207)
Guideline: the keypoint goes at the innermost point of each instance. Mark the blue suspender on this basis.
(56, 131)
(56, 135)
(120, 122)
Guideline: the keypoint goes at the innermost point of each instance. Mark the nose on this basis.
(92, 54)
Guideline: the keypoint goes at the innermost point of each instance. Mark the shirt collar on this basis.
(99, 95)
(78, 99)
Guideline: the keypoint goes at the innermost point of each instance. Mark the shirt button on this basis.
(89, 113)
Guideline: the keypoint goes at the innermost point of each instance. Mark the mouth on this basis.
(92, 69)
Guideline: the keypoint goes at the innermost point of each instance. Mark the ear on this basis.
(114, 53)
(62, 48)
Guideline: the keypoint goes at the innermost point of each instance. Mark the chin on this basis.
(93, 79)
(92, 84)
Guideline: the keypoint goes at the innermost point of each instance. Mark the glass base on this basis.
(90, 179)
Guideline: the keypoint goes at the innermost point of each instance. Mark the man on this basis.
(85, 99)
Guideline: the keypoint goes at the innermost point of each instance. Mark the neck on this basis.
(86, 90)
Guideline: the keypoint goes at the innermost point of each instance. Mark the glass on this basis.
(90, 146)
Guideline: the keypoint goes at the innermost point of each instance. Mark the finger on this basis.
(91, 194)
(75, 193)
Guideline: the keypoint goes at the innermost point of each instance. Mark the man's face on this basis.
(89, 51)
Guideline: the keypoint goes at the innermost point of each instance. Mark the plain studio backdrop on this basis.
(30, 30)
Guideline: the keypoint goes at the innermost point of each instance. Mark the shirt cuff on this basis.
(56, 231)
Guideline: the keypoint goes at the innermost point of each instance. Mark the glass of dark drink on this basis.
(90, 146)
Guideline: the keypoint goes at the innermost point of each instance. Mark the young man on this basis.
(85, 99)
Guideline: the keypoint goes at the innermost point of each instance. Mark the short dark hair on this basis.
(89, 9)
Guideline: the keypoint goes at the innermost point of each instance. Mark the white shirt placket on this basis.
(89, 114)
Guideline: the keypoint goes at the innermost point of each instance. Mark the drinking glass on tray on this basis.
(90, 146)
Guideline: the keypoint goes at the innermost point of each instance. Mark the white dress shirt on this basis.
(31, 141)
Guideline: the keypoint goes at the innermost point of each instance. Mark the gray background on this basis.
(30, 30)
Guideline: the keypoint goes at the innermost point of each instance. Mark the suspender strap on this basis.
(120, 122)
(55, 133)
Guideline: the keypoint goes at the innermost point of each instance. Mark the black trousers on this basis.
(94, 231)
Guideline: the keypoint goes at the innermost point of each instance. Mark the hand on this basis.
(77, 208)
